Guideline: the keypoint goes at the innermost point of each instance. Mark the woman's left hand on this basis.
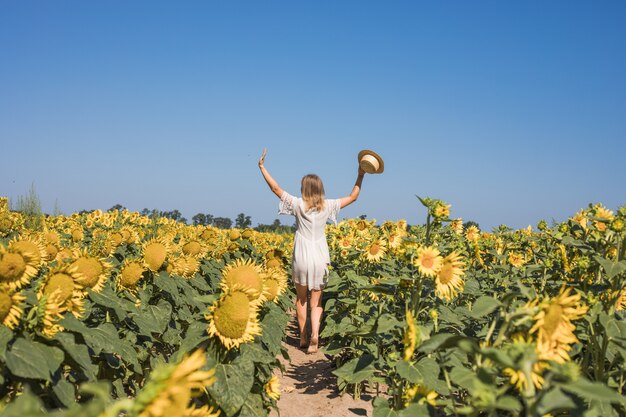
(262, 160)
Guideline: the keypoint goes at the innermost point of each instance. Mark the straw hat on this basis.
(371, 162)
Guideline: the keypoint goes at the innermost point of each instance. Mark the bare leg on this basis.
(302, 293)
(316, 317)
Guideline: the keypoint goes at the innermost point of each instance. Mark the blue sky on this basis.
(510, 111)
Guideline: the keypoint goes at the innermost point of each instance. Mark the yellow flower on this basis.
(234, 317)
(516, 259)
(428, 261)
(274, 284)
(375, 251)
(421, 393)
(90, 272)
(441, 210)
(620, 304)
(553, 325)
(457, 226)
(272, 388)
(204, 411)
(68, 292)
(604, 215)
(448, 279)
(130, 274)
(171, 388)
(10, 308)
(155, 252)
(245, 274)
(472, 233)
(411, 336)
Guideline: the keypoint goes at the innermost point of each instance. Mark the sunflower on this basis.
(273, 263)
(194, 248)
(15, 270)
(457, 226)
(154, 253)
(272, 388)
(274, 284)
(129, 234)
(394, 240)
(233, 318)
(245, 274)
(411, 336)
(204, 411)
(472, 233)
(130, 273)
(603, 215)
(375, 251)
(68, 292)
(419, 393)
(441, 210)
(32, 249)
(171, 388)
(553, 325)
(516, 259)
(10, 308)
(428, 261)
(620, 304)
(523, 347)
(77, 233)
(89, 271)
(50, 309)
(449, 279)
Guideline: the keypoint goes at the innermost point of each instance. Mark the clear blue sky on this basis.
(510, 111)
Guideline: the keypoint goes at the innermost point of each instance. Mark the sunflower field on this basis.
(109, 314)
(442, 320)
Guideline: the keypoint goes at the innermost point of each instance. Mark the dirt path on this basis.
(308, 387)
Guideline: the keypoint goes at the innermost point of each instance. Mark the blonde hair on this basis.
(312, 191)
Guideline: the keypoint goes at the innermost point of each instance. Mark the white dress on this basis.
(310, 249)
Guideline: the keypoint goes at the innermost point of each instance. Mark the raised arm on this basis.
(271, 182)
(355, 190)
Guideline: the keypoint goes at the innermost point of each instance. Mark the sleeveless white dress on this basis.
(310, 249)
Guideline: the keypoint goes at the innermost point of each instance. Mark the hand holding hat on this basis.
(370, 162)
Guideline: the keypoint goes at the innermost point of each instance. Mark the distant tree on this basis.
(57, 209)
(199, 219)
(117, 207)
(145, 212)
(209, 219)
(222, 222)
(363, 216)
(275, 227)
(470, 223)
(242, 221)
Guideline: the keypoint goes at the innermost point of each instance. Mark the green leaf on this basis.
(25, 405)
(166, 283)
(30, 359)
(253, 407)
(415, 410)
(593, 391)
(509, 403)
(6, 335)
(425, 371)
(483, 306)
(79, 353)
(611, 268)
(108, 298)
(153, 318)
(382, 409)
(232, 385)
(256, 353)
(65, 392)
(356, 370)
(387, 322)
(555, 400)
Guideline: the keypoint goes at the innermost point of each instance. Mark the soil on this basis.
(308, 387)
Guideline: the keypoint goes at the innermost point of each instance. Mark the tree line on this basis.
(206, 219)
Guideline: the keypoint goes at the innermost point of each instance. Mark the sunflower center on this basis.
(446, 274)
(232, 315)
(192, 248)
(428, 261)
(12, 267)
(131, 274)
(552, 319)
(271, 288)
(62, 282)
(5, 305)
(90, 269)
(28, 250)
(374, 249)
(246, 276)
(155, 254)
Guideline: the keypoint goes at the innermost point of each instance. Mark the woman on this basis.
(310, 250)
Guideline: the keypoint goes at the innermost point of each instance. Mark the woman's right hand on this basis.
(262, 160)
